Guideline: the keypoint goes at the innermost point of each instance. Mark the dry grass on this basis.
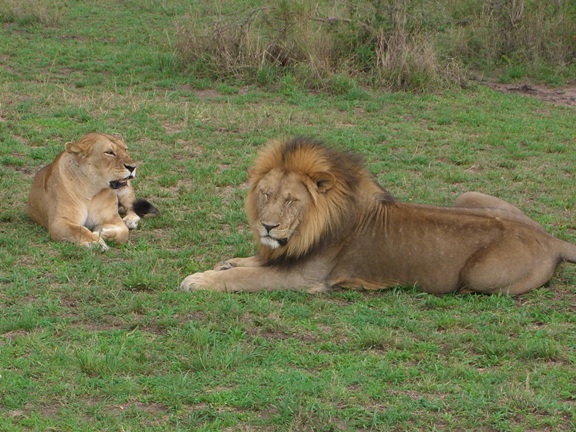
(45, 12)
(393, 44)
(311, 44)
(516, 31)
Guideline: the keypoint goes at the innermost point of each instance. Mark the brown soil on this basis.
(560, 96)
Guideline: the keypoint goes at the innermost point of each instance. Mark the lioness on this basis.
(79, 195)
(321, 220)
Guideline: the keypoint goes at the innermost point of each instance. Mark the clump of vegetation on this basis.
(46, 12)
(516, 37)
(397, 44)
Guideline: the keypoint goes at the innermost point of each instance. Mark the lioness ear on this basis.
(323, 180)
(82, 146)
(73, 147)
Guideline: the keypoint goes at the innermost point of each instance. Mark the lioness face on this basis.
(104, 158)
(282, 199)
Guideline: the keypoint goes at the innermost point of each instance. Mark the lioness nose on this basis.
(130, 168)
(269, 227)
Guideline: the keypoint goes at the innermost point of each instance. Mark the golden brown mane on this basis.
(333, 214)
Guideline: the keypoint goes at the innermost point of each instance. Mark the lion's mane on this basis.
(334, 214)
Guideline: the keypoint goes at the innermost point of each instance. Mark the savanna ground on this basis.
(92, 341)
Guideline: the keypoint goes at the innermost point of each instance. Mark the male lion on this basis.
(79, 195)
(321, 220)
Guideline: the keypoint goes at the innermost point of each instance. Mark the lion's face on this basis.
(104, 159)
(301, 197)
(281, 199)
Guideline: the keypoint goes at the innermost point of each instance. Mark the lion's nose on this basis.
(269, 227)
(130, 167)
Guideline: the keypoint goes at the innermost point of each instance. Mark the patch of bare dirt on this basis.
(560, 96)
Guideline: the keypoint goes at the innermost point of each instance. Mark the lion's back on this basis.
(38, 199)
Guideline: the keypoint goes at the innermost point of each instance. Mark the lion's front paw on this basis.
(97, 244)
(224, 265)
(131, 221)
(197, 281)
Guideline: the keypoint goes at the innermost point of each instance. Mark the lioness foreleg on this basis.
(63, 230)
(249, 279)
(126, 199)
(117, 232)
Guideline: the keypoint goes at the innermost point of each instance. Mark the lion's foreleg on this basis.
(78, 234)
(126, 199)
(253, 261)
(117, 232)
(249, 279)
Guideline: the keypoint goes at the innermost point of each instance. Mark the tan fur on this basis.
(72, 197)
(320, 220)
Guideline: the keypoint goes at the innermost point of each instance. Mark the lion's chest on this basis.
(100, 209)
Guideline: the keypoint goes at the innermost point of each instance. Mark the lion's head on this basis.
(302, 195)
(103, 159)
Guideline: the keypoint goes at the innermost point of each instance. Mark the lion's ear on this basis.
(74, 147)
(324, 181)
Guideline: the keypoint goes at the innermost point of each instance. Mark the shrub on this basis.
(397, 44)
(46, 12)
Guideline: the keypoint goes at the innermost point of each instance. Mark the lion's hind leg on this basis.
(499, 208)
(509, 267)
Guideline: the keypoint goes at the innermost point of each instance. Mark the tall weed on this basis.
(314, 43)
(398, 44)
(508, 32)
(45, 12)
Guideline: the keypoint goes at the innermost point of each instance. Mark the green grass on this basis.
(93, 342)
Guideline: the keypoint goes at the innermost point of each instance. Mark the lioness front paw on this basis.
(97, 244)
(131, 221)
(197, 281)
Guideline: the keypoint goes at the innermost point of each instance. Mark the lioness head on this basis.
(301, 194)
(104, 159)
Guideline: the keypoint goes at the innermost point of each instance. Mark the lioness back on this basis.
(37, 199)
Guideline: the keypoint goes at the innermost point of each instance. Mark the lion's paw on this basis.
(197, 281)
(131, 221)
(224, 265)
(97, 244)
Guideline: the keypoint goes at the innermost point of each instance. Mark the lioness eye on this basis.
(110, 152)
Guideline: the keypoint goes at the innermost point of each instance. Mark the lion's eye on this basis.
(110, 153)
(266, 196)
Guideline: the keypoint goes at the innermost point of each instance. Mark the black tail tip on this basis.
(143, 208)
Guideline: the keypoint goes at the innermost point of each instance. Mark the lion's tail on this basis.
(568, 252)
(144, 207)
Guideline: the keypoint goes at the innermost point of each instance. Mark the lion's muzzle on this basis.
(117, 184)
(273, 242)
